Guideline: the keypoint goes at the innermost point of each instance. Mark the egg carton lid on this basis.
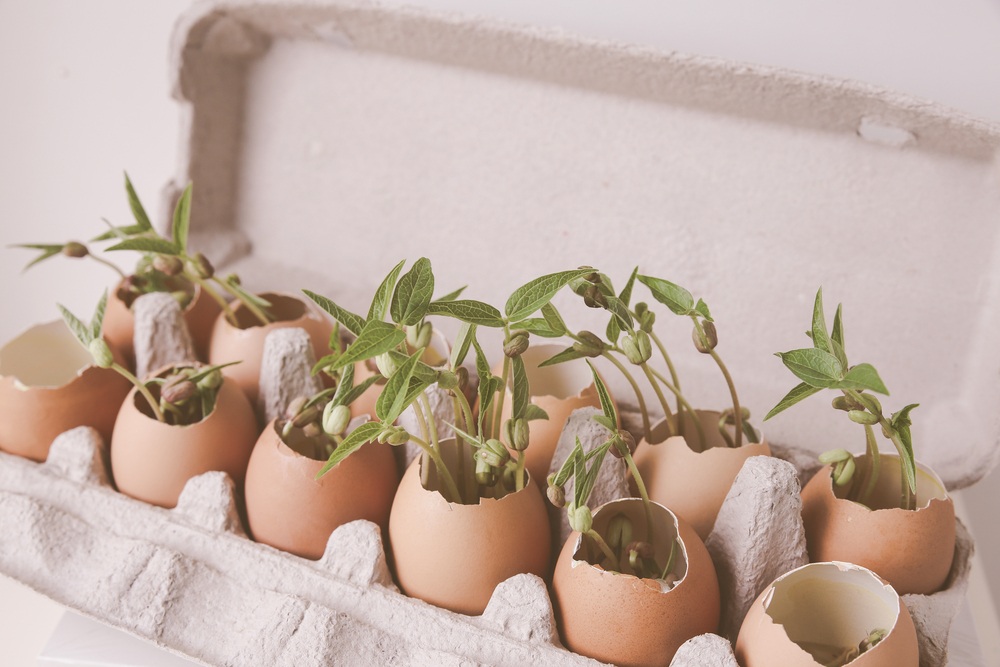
(328, 139)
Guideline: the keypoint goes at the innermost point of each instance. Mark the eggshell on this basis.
(693, 484)
(152, 461)
(48, 384)
(454, 555)
(245, 343)
(559, 390)
(621, 619)
(834, 604)
(288, 508)
(911, 549)
(119, 324)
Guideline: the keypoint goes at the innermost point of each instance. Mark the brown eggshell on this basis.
(912, 550)
(693, 484)
(559, 390)
(48, 384)
(621, 619)
(245, 343)
(835, 604)
(119, 324)
(453, 555)
(152, 461)
(288, 508)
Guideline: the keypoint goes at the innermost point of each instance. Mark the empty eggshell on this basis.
(244, 342)
(49, 384)
(820, 611)
(911, 549)
(152, 461)
(559, 390)
(288, 508)
(693, 484)
(621, 619)
(454, 555)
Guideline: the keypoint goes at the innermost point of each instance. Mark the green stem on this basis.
(907, 493)
(659, 392)
(444, 474)
(109, 264)
(670, 559)
(154, 406)
(737, 412)
(874, 464)
(207, 289)
(703, 443)
(261, 316)
(498, 413)
(519, 472)
(605, 549)
(642, 494)
(635, 388)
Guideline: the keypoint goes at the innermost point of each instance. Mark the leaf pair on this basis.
(176, 246)
(528, 298)
(86, 333)
(676, 298)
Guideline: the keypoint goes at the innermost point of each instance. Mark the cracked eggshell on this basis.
(49, 384)
(288, 508)
(826, 604)
(559, 390)
(152, 461)
(621, 619)
(911, 549)
(245, 342)
(119, 324)
(693, 484)
(454, 555)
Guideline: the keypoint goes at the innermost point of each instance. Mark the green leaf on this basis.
(350, 321)
(702, 309)
(98, 319)
(626, 293)
(413, 294)
(486, 391)
(536, 326)
(380, 302)
(519, 387)
(467, 310)
(421, 371)
(182, 220)
(79, 329)
(463, 341)
(344, 384)
(590, 478)
(604, 421)
(909, 465)
(674, 297)
(354, 440)
(204, 371)
(48, 250)
(248, 297)
(138, 212)
(148, 244)
(837, 335)
(620, 311)
(798, 393)
(815, 367)
(417, 387)
(566, 355)
(534, 412)
(324, 362)
(451, 296)
(902, 418)
(473, 441)
(566, 469)
(613, 330)
(122, 232)
(375, 338)
(355, 392)
(390, 402)
(554, 319)
(607, 405)
(820, 336)
(863, 376)
(534, 294)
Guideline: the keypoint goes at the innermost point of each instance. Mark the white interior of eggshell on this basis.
(560, 381)
(831, 604)
(887, 492)
(284, 308)
(46, 355)
(449, 448)
(664, 521)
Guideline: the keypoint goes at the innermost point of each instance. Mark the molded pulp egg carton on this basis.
(329, 139)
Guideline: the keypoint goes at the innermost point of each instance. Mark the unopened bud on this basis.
(178, 389)
(75, 249)
(843, 472)
(306, 416)
(233, 279)
(201, 267)
(834, 456)
(641, 549)
(447, 380)
(419, 335)
(462, 373)
(641, 308)
(385, 364)
(211, 381)
(871, 403)
(637, 347)
(862, 417)
(295, 406)
(516, 346)
(398, 437)
(589, 344)
(168, 264)
(580, 519)
(619, 531)
(494, 453)
(486, 475)
(521, 433)
(557, 495)
(594, 298)
(335, 418)
(593, 277)
(646, 321)
(706, 338)
(843, 403)
(627, 441)
(101, 353)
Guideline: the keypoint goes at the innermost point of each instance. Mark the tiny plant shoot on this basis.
(165, 264)
(825, 366)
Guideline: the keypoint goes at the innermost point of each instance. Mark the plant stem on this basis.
(687, 406)
(109, 264)
(670, 559)
(874, 464)
(207, 289)
(444, 474)
(603, 546)
(154, 406)
(659, 392)
(675, 380)
(737, 412)
(642, 494)
(498, 413)
(635, 388)
(252, 307)
(519, 473)
(907, 493)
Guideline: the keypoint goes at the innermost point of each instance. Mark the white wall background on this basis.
(83, 95)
